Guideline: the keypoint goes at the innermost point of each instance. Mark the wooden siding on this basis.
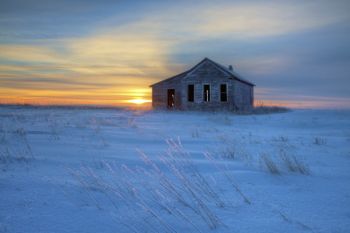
(160, 94)
(243, 95)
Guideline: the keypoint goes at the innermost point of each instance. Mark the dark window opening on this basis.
(223, 93)
(171, 98)
(190, 92)
(206, 93)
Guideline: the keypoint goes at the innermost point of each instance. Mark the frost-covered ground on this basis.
(105, 170)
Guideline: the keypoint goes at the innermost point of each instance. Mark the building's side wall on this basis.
(243, 95)
(160, 94)
(207, 73)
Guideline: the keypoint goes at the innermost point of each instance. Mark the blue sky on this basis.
(108, 52)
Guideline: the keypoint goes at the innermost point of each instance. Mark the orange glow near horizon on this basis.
(125, 96)
(72, 100)
(138, 95)
(145, 102)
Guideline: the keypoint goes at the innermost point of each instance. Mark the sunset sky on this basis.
(109, 52)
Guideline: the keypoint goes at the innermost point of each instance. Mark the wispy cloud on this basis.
(240, 19)
(107, 61)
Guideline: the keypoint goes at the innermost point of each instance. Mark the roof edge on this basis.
(221, 67)
(183, 73)
(194, 67)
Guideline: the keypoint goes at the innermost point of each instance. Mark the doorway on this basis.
(171, 98)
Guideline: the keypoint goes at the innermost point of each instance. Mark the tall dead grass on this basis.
(165, 190)
(284, 162)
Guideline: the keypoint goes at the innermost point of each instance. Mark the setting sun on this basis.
(139, 101)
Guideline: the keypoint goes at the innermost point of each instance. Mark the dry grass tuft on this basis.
(320, 141)
(269, 164)
(293, 164)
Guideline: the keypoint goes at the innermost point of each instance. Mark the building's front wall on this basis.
(239, 94)
(207, 73)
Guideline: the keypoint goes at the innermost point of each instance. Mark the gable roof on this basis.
(224, 69)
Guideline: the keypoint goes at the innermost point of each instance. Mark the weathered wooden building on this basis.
(206, 86)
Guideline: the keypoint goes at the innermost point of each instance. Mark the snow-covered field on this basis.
(109, 170)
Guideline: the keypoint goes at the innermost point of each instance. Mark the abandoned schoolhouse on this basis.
(206, 86)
